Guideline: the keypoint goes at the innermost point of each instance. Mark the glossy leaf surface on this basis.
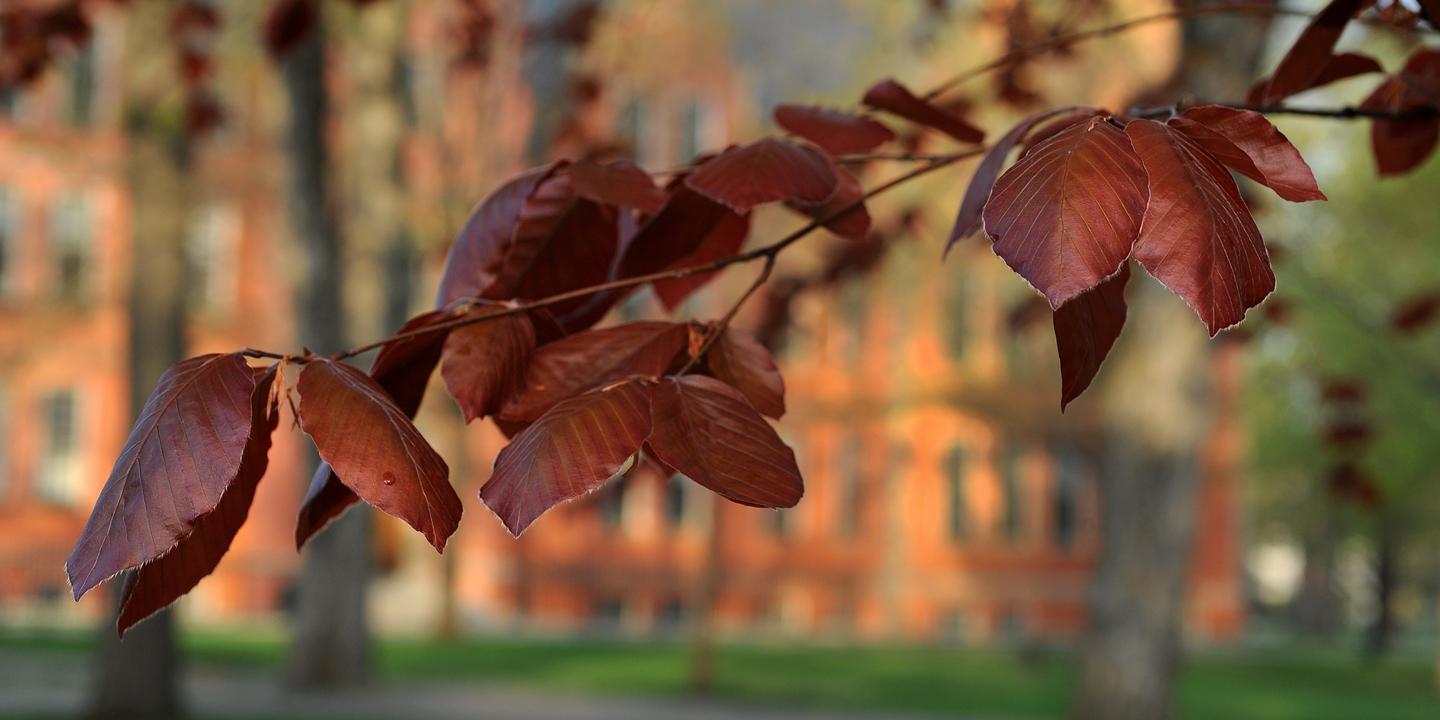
(1066, 215)
(1085, 330)
(375, 450)
(709, 431)
(570, 451)
(1198, 238)
(838, 132)
(185, 450)
(767, 170)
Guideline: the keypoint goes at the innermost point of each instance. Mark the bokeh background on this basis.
(941, 563)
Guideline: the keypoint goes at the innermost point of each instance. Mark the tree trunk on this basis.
(331, 644)
(1381, 633)
(1158, 413)
(1316, 607)
(139, 678)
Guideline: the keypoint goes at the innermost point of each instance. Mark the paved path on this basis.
(53, 684)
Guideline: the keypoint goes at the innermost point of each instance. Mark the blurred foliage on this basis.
(1345, 266)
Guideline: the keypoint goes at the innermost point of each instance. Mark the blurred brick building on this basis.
(945, 497)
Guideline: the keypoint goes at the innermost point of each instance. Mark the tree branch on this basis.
(1348, 112)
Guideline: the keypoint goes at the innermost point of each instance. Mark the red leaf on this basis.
(724, 241)
(740, 361)
(1338, 67)
(288, 24)
(162, 581)
(673, 233)
(765, 171)
(403, 369)
(326, 499)
(1066, 215)
(485, 362)
(570, 451)
(968, 221)
(838, 132)
(186, 448)
(1402, 145)
(375, 449)
(620, 183)
(892, 97)
(853, 224)
(474, 260)
(1416, 313)
(1308, 57)
(1085, 330)
(577, 363)
(708, 431)
(1247, 142)
(1198, 237)
(561, 243)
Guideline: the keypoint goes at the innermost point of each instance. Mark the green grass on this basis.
(1272, 684)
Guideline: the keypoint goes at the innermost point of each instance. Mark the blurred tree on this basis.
(1158, 411)
(139, 678)
(331, 644)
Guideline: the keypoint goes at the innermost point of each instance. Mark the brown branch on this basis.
(1348, 112)
(1061, 41)
(767, 252)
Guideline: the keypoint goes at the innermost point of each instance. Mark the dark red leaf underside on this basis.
(156, 584)
(620, 183)
(475, 257)
(676, 231)
(708, 431)
(186, 448)
(1249, 144)
(894, 98)
(840, 218)
(485, 362)
(740, 361)
(1085, 330)
(1416, 313)
(724, 241)
(325, 499)
(561, 242)
(968, 220)
(1402, 145)
(1066, 215)
(577, 363)
(288, 24)
(838, 132)
(1337, 68)
(1307, 58)
(570, 451)
(1198, 237)
(767, 170)
(375, 450)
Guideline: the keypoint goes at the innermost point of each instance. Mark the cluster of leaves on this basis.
(538, 264)
(549, 253)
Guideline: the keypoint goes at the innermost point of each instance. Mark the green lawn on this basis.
(1271, 684)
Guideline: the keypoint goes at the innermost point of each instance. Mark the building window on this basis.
(60, 471)
(9, 240)
(632, 130)
(210, 253)
(848, 495)
(4, 442)
(80, 78)
(677, 488)
(1066, 496)
(957, 471)
(71, 230)
(611, 502)
(1014, 510)
(695, 129)
(956, 321)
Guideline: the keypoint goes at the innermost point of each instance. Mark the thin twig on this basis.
(1060, 41)
(1348, 112)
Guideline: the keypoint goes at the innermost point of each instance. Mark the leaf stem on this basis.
(764, 252)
